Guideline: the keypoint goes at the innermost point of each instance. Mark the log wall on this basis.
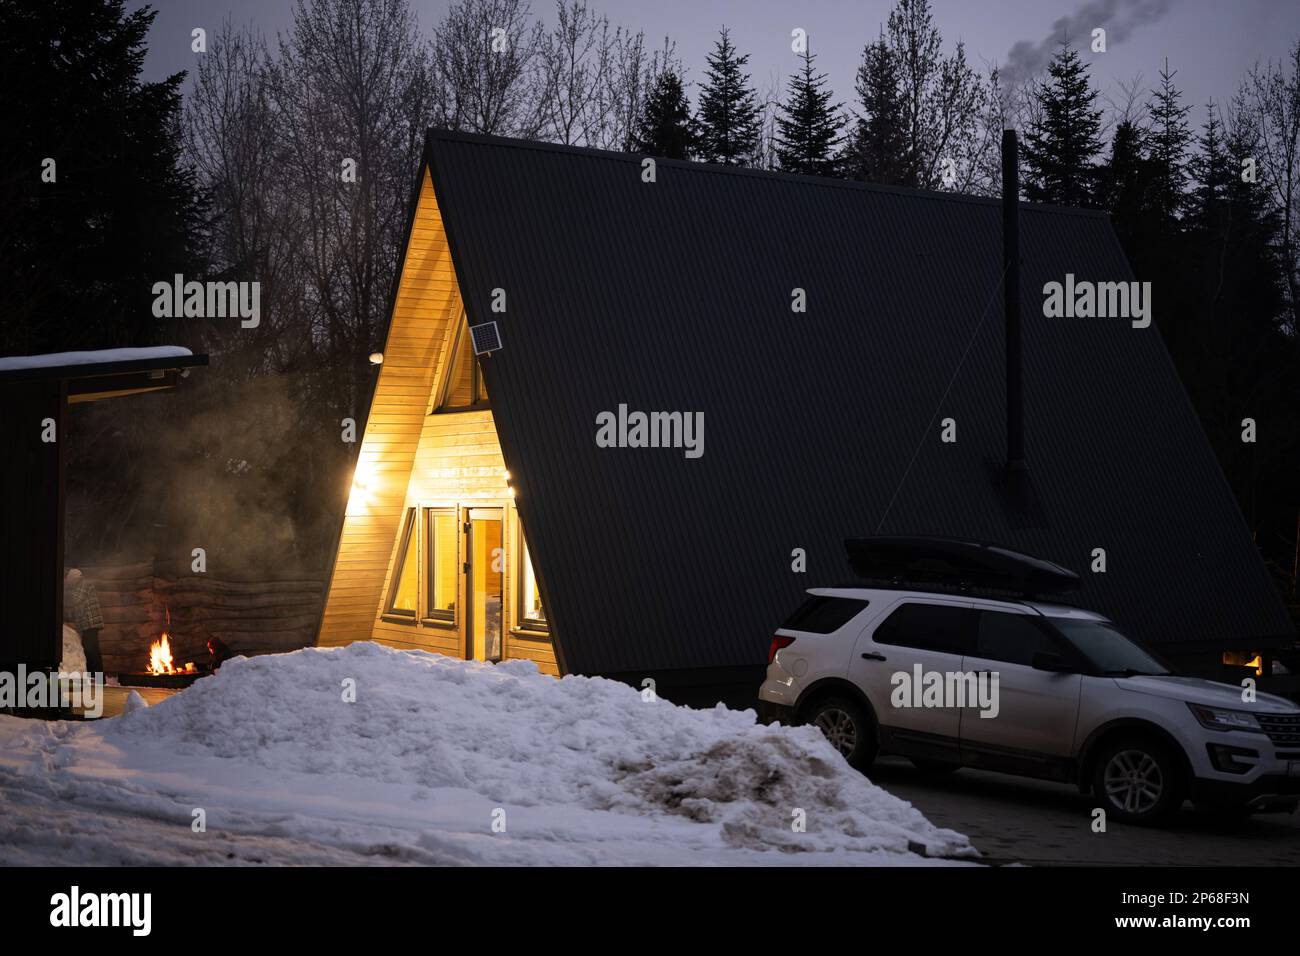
(255, 616)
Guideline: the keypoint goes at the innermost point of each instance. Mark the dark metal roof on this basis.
(676, 295)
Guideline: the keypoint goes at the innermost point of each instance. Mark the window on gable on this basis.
(464, 383)
(531, 613)
(403, 589)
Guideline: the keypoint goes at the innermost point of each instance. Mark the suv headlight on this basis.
(1216, 718)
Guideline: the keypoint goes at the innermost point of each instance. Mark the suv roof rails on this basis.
(964, 565)
(959, 590)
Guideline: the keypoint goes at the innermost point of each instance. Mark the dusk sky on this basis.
(1211, 43)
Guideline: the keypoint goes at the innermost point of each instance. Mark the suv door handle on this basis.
(872, 657)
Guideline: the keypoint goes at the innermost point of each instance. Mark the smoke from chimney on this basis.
(1119, 18)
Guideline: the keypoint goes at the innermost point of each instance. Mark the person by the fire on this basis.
(81, 610)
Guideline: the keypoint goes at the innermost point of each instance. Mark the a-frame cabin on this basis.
(880, 407)
(432, 553)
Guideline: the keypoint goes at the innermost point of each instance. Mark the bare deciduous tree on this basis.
(979, 169)
(632, 73)
(574, 72)
(230, 134)
(1274, 92)
(350, 88)
(483, 65)
(769, 108)
(942, 97)
(1128, 105)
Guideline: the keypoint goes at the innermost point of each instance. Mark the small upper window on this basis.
(822, 614)
(403, 589)
(464, 383)
(929, 627)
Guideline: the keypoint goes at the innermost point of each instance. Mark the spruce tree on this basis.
(877, 149)
(1234, 354)
(1124, 187)
(118, 210)
(728, 112)
(1211, 174)
(666, 127)
(808, 132)
(1170, 138)
(1062, 143)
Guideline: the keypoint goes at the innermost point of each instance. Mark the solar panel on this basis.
(486, 337)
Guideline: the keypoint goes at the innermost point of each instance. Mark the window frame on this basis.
(523, 622)
(428, 615)
(1053, 641)
(801, 616)
(461, 339)
(410, 528)
(967, 610)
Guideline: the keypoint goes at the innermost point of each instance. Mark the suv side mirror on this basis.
(1047, 661)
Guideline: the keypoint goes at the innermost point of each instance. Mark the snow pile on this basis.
(444, 761)
(74, 654)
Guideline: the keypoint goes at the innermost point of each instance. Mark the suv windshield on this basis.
(1107, 649)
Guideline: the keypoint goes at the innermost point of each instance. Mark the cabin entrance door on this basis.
(484, 583)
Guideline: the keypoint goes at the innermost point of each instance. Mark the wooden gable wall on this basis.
(424, 311)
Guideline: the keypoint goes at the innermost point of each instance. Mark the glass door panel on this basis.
(486, 584)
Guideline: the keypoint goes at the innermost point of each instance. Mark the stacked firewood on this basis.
(256, 616)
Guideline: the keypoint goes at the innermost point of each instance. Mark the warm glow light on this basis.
(366, 483)
(376, 358)
(160, 655)
(363, 474)
(1245, 659)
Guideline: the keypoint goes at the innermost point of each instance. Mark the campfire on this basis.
(160, 654)
(162, 669)
(160, 659)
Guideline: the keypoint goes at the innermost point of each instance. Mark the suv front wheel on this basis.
(848, 728)
(1138, 780)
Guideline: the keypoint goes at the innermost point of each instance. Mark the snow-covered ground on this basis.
(438, 761)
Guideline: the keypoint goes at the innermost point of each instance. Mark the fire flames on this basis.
(160, 655)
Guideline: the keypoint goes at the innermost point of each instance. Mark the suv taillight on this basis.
(778, 641)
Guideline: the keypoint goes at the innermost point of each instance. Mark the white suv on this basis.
(1043, 690)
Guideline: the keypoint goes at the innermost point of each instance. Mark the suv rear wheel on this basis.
(848, 728)
(1138, 780)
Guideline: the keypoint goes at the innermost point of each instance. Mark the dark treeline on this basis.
(240, 171)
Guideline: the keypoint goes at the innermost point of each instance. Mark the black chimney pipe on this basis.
(1011, 300)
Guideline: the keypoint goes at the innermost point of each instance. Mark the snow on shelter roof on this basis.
(51, 360)
(105, 373)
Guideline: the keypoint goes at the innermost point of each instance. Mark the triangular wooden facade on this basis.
(429, 450)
